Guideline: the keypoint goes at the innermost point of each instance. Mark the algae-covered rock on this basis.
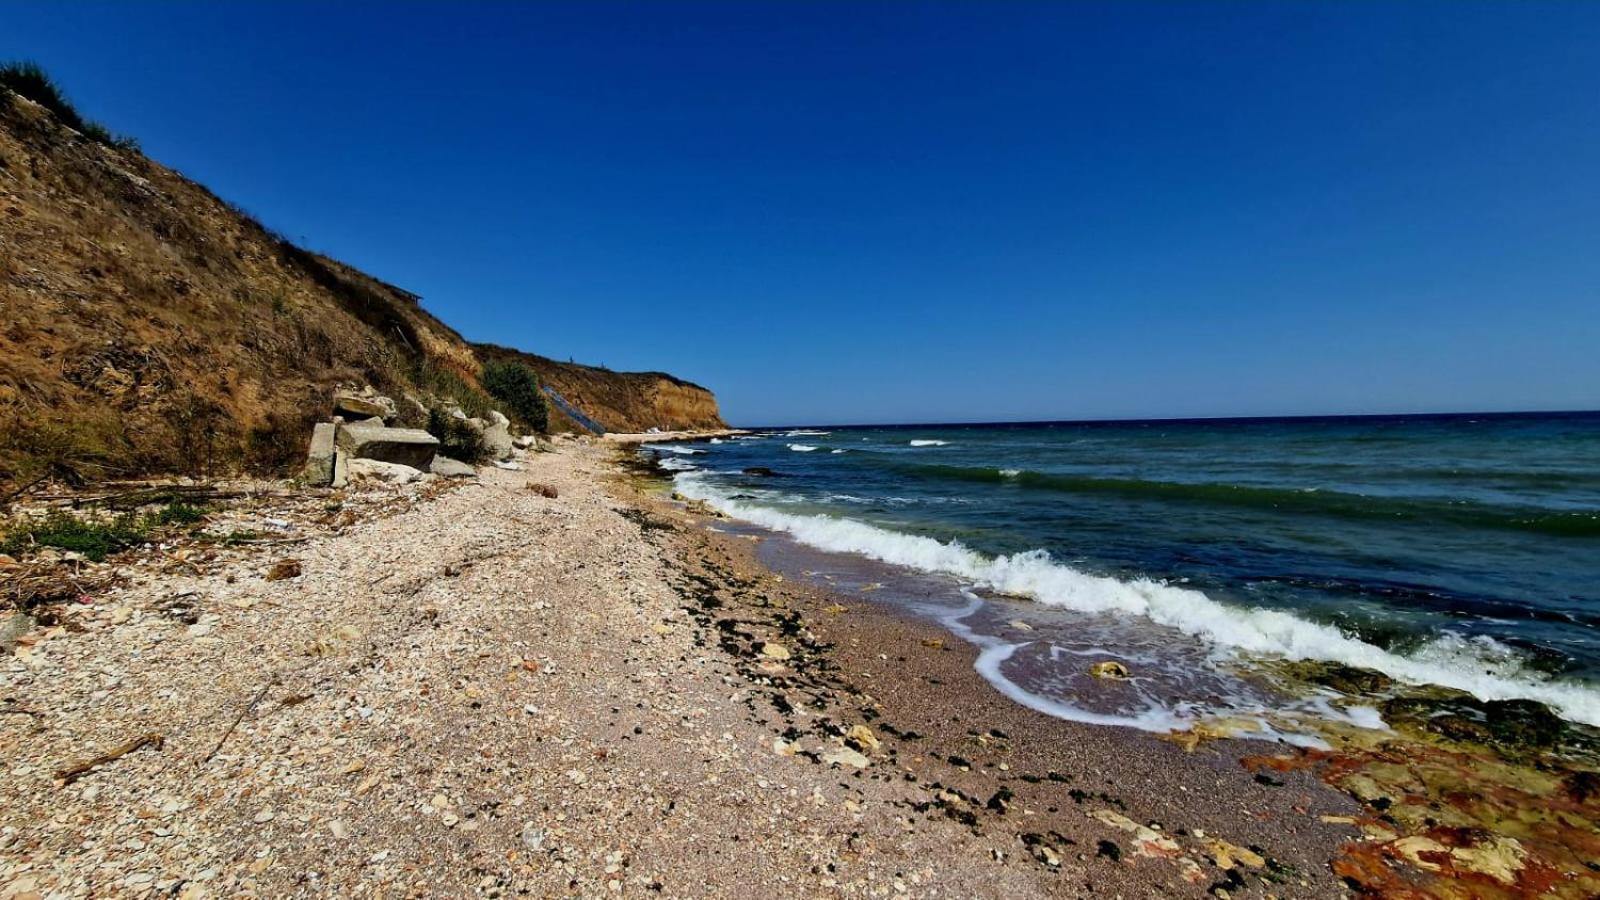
(1340, 677)
(1515, 727)
(1109, 669)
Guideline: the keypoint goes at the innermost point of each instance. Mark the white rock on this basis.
(393, 473)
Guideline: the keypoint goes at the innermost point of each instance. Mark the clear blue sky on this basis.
(882, 212)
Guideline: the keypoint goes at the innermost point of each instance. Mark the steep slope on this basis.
(147, 325)
(620, 401)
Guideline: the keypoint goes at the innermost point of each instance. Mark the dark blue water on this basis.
(1463, 545)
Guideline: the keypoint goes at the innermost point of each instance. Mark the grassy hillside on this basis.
(620, 401)
(146, 325)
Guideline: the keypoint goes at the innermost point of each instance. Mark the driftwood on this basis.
(73, 771)
(243, 711)
(293, 540)
(23, 490)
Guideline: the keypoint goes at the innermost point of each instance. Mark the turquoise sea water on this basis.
(1460, 550)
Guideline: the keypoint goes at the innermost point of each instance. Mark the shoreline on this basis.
(1443, 802)
(480, 688)
(1090, 808)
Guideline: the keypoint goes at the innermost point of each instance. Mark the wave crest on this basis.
(1451, 661)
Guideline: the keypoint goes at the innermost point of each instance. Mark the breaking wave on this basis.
(801, 448)
(1485, 668)
(673, 448)
(928, 443)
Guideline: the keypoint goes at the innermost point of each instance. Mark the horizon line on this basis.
(1180, 420)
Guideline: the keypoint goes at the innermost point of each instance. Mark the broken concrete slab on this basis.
(357, 406)
(341, 468)
(319, 459)
(405, 446)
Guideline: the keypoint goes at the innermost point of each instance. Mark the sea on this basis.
(1461, 551)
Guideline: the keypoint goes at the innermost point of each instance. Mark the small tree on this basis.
(515, 385)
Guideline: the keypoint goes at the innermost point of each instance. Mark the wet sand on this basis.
(1088, 809)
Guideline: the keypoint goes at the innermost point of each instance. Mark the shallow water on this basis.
(1462, 551)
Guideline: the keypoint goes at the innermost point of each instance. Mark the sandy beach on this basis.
(477, 688)
(492, 691)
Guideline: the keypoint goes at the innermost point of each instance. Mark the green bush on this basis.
(457, 439)
(97, 539)
(27, 79)
(515, 385)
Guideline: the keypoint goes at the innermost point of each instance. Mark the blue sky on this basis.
(889, 212)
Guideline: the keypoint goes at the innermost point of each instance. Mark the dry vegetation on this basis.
(148, 326)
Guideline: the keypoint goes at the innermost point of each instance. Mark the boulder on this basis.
(495, 431)
(13, 626)
(497, 436)
(525, 442)
(405, 446)
(394, 473)
(452, 468)
(357, 406)
(319, 459)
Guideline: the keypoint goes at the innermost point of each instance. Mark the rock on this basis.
(451, 468)
(1147, 841)
(13, 626)
(284, 568)
(1340, 677)
(364, 407)
(844, 756)
(762, 471)
(544, 490)
(1109, 669)
(862, 737)
(496, 434)
(702, 508)
(394, 473)
(405, 446)
(319, 459)
(525, 442)
(1227, 855)
(773, 650)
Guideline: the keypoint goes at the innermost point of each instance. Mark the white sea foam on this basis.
(804, 433)
(801, 448)
(836, 451)
(716, 440)
(673, 448)
(1483, 668)
(1010, 473)
(928, 443)
(673, 464)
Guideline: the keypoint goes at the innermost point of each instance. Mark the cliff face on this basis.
(620, 401)
(147, 325)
